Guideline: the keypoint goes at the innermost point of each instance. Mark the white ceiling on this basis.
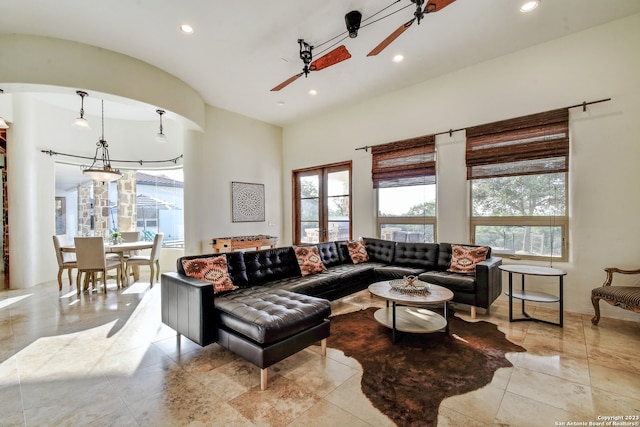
(241, 49)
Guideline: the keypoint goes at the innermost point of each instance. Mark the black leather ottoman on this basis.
(265, 325)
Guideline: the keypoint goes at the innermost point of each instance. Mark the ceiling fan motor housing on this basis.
(352, 19)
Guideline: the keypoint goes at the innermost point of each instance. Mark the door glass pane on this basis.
(338, 183)
(309, 210)
(338, 230)
(310, 232)
(309, 186)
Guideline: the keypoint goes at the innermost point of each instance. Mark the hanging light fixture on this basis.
(81, 122)
(161, 137)
(107, 173)
(3, 124)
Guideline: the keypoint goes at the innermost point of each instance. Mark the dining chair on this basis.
(152, 260)
(66, 260)
(129, 236)
(91, 260)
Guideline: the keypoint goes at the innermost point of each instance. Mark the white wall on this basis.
(233, 148)
(604, 201)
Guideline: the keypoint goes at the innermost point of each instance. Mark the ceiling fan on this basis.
(431, 6)
(338, 54)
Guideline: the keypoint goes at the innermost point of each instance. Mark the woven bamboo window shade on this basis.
(534, 144)
(403, 163)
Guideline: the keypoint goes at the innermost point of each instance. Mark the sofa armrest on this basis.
(187, 306)
(489, 281)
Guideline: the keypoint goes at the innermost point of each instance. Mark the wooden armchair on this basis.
(627, 297)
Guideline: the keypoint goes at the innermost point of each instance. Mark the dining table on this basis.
(119, 248)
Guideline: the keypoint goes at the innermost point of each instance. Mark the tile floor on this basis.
(102, 360)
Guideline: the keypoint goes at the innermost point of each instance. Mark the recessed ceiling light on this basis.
(529, 6)
(313, 92)
(186, 28)
(281, 103)
(398, 58)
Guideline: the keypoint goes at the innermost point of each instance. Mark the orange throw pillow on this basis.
(212, 270)
(357, 251)
(465, 258)
(309, 260)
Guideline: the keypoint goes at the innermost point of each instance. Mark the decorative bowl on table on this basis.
(409, 285)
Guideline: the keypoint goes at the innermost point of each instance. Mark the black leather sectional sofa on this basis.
(276, 311)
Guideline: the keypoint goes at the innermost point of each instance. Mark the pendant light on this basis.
(106, 173)
(161, 137)
(81, 122)
(3, 124)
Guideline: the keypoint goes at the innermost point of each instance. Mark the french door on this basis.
(322, 203)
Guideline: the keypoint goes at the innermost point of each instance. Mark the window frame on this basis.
(323, 208)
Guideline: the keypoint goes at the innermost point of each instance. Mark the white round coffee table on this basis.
(406, 313)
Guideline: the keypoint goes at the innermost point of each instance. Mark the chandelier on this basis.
(106, 173)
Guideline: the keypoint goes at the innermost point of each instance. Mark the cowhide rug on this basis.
(408, 380)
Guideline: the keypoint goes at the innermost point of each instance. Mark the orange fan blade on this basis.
(386, 42)
(436, 5)
(338, 54)
(286, 82)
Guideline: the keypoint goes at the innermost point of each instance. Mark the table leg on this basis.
(446, 316)
(393, 316)
(510, 297)
(561, 305)
(124, 279)
(522, 290)
(524, 313)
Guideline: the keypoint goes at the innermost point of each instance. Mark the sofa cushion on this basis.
(422, 256)
(271, 264)
(329, 253)
(465, 258)
(267, 315)
(456, 282)
(357, 251)
(309, 260)
(235, 266)
(380, 250)
(212, 270)
(444, 254)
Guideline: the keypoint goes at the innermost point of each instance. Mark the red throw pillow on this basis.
(465, 258)
(309, 260)
(357, 251)
(212, 270)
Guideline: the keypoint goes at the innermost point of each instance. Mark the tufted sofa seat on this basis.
(269, 315)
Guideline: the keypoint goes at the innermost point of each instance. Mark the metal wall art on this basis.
(247, 202)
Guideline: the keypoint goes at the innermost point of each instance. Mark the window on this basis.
(160, 205)
(518, 179)
(407, 214)
(149, 201)
(322, 203)
(404, 176)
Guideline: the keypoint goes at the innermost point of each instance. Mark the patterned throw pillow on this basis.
(309, 260)
(212, 270)
(465, 258)
(357, 251)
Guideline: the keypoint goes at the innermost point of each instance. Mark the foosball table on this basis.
(230, 244)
